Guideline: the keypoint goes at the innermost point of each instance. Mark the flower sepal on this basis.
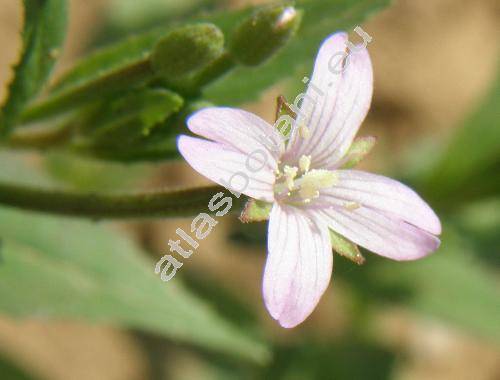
(359, 149)
(255, 211)
(346, 248)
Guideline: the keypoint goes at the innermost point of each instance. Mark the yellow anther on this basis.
(305, 163)
(351, 206)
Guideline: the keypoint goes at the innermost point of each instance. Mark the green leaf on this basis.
(320, 19)
(359, 149)
(110, 59)
(43, 34)
(60, 269)
(168, 54)
(128, 77)
(346, 248)
(130, 117)
(159, 145)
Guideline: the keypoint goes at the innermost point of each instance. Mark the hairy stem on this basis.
(166, 203)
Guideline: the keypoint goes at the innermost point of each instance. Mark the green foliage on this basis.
(43, 34)
(108, 85)
(185, 59)
(130, 117)
(110, 59)
(65, 269)
(159, 144)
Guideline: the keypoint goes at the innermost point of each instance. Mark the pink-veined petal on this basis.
(336, 103)
(380, 233)
(239, 129)
(229, 167)
(298, 266)
(321, 91)
(385, 194)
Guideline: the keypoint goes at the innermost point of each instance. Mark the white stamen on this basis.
(315, 180)
(290, 174)
(305, 163)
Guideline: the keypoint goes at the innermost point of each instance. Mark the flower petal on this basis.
(384, 194)
(336, 103)
(383, 234)
(239, 129)
(298, 267)
(229, 167)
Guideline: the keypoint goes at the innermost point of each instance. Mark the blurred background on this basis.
(436, 114)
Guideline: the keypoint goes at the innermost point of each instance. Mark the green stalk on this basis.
(216, 69)
(165, 203)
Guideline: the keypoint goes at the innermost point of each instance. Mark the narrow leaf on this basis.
(63, 269)
(43, 34)
(132, 116)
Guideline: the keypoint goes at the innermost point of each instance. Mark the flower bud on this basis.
(187, 49)
(260, 36)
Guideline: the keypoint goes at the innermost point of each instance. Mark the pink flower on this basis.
(304, 180)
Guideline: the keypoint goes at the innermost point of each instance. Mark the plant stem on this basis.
(167, 203)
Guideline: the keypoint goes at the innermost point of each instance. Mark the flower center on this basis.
(301, 184)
